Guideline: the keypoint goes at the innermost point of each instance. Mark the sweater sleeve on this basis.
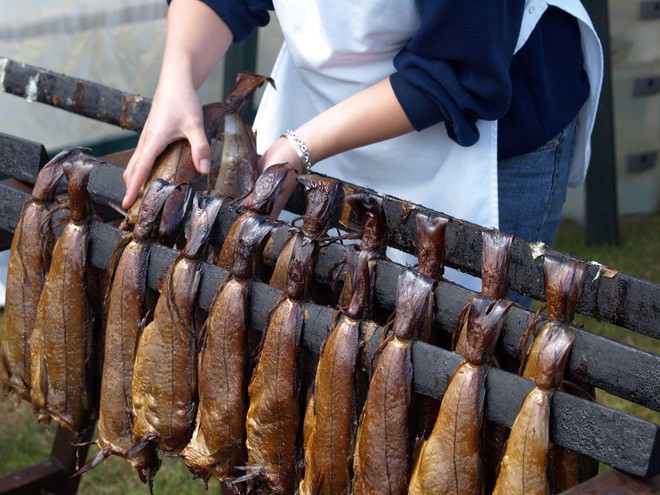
(456, 66)
(242, 16)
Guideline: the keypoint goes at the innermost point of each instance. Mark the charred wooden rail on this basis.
(79, 96)
(605, 295)
(613, 437)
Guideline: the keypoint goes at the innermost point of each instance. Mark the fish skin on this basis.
(383, 450)
(164, 385)
(29, 260)
(126, 303)
(450, 460)
(273, 418)
(453, 446)
(61, 345)
(218, 441)
(328, 456)
(524, 467)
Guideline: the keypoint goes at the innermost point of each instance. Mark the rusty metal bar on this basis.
(611, 436)
(79, 96)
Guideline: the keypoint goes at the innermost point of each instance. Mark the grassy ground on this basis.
(24, 442)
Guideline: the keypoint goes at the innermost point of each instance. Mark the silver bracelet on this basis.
(301, 150)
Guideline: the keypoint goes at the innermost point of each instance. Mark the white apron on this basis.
(333, 50)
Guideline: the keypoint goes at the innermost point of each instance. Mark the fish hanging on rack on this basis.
(164, 385)
(524, 467)
(274, 412)
(63, 375)
(450, 460)
(127, 312)
(384, 442)
(29, 261)
(217, 445)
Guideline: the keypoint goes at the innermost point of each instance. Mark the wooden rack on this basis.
(615, 438)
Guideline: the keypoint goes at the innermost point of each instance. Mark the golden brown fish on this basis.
(29, 260)
(61, 345)
(175, 164)
(127, 310)
(524, 467)
(164, 386)
(331, 416)
(431, 263)
(273, 416)
(384, 446)
(450, 460)
(218, 441)
(562, 284)
(238, 159)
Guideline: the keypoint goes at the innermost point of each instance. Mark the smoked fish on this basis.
(450, 460)
(218, 440)
(384, 443)
(63, 379)
(175, 164)
(164, 386)
(331, 415)
(127, 311)
(273, 418)
(431, 264)
(524, 467)
(29, 260)
(562, 284)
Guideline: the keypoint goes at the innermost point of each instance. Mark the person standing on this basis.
(482, 110)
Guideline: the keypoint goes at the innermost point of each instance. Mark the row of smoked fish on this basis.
(157, 373)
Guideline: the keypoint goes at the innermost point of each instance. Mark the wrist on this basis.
(300, 149)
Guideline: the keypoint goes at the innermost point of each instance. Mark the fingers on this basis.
(201, 152)
(138, 168)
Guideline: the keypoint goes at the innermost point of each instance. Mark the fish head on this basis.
(323, 199)
(431, 244)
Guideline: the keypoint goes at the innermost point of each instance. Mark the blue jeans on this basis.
(532, 191)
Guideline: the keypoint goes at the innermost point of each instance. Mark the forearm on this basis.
(370, 116)
(196, 40)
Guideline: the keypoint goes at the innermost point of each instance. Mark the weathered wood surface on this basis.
(606, 295)
(79, 96)
(613, 437)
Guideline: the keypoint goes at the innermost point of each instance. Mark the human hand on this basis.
(175, 113)
(281, 151)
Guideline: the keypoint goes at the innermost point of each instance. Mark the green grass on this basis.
(24, 442)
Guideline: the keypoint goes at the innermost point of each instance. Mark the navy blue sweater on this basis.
(460, 67)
